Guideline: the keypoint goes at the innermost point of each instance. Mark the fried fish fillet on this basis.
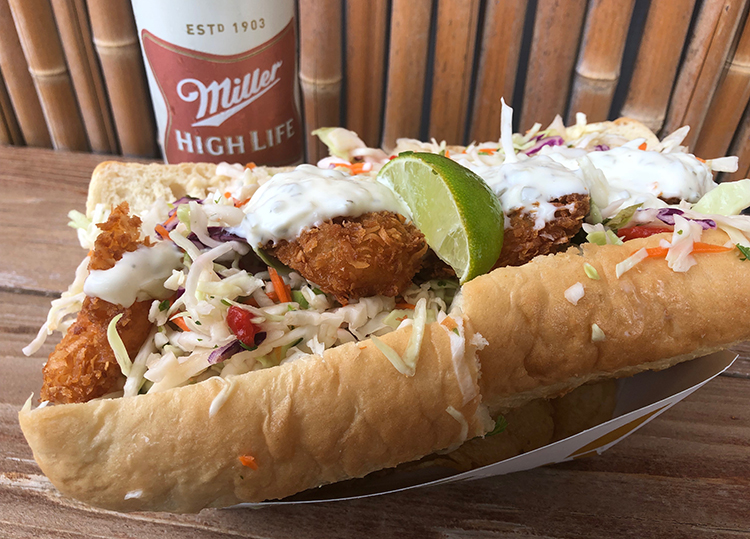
(377, 253)
(83, 366)
(522, 241)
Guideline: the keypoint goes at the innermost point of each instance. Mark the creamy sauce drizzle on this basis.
(307, 196)
(138, 275)
(529, 184)
(639, 175)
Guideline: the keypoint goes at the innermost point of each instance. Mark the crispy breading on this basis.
(522, 241)
(375, 253)
(83, 366)
(119, 234)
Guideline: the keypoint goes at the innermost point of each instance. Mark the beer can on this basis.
(223, 79)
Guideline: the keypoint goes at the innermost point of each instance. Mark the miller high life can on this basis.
(223, 79)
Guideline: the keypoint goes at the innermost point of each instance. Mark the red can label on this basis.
(239, 108)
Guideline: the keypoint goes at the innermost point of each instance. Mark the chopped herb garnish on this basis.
(455, 330)
(197, 323)
(679, 232)
(225, 302)
(745, 251)
(246, 347)
(164, 305)
(500, 425)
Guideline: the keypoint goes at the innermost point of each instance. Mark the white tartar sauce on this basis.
(307, 196)
(138, 275)
(529, 185)
(635, 174)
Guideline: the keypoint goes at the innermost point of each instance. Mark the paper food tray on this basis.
(640, 398)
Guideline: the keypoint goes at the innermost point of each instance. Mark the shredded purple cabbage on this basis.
(541, 143)
(601, 148)
(225, 352)
(666, 215)
(216, 233)
(171, 225)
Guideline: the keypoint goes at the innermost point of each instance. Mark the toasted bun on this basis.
(306, 423)
(652, 318)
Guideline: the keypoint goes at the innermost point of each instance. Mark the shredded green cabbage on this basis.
(115, 342)
(591, 272)
(392, 356)
(729, 198)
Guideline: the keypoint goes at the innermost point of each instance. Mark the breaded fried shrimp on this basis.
(83, 366)
(375, 253)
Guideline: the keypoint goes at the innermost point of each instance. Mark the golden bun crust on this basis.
(306, 423)
(540, 344)
(113, 182)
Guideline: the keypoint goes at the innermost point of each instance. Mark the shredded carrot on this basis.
(180, 323)
(658, 252)
(249, 461)
(449, 323)
(227, 195)
(240, 203)
(405, 305)
(487, 151)
(250, 165)
(171, 218)
(163, 232)
(278, 286)
(447, 153)
(643, 146)
(699, 159)
(91, 252)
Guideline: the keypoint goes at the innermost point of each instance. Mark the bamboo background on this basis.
(72, 77)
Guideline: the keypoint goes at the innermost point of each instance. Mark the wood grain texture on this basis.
(709, 45)
(320, 69)
(20, 86)
(116, 43)
(498, 64)
(451, 77)
(685, 474)
(44, 54)
(407, 67)
(72, 23)
(598, 68)
(729, 101)
(657, 61)
(557, 31)
(366, 28)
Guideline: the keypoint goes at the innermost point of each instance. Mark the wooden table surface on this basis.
(685, 474)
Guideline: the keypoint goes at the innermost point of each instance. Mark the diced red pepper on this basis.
(239, 321)
(633, 232)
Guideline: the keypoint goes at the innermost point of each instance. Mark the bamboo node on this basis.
(120, 43)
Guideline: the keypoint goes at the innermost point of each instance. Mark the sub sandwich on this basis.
(239, 334)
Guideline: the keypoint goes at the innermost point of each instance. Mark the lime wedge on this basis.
(457, 212)
(729, 198)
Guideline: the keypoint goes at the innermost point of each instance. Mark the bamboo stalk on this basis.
(730, 100)
(498, 63)
(710, 45)
(41, 46)
(656, 64)
(451, 77)
(320, 68)
(72, 22)
(557, 30)
(598, 68)
(116, 43)
(10, 133)
(365, 67)
(741, 148)
(19, 84)
(407, 68)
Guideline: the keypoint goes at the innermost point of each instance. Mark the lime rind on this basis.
(454, 208)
